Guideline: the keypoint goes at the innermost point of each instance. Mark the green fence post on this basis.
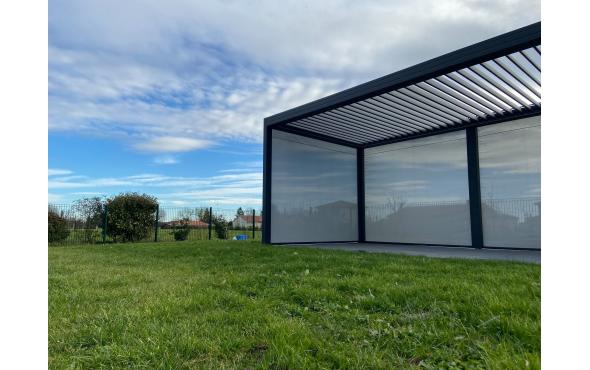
(157, 222)
(210, 220)
(253, 224)
(104, 224)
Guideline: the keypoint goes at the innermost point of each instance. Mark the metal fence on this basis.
(521, 209)
(169, 224)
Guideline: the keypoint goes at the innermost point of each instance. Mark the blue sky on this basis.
(168, 97)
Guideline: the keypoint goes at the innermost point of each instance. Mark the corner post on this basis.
(266, 185)
(475, 209)
(360, 189)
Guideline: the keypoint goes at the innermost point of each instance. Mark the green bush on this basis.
(181, 230)
(221, 227)
(131, 216)
(58, 227)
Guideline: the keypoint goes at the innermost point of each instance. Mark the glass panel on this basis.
(510, 177)
(313, 194)
(417, 191)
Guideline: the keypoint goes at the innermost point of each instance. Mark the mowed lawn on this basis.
(216, 304)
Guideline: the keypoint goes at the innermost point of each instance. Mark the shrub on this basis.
(58, 227)
(181, 230)
(131, 216)
(220, 225)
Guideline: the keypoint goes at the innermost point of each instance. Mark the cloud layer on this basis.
(223, 189)
(149, 73)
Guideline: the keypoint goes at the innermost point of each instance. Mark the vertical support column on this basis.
(474, 188)
(253, 224)
(266, 185)
(157, 222)
(360, 189)
(210, 220)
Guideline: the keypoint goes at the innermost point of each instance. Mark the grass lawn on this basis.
(214, 304)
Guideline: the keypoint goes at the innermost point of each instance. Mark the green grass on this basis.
(243, 305)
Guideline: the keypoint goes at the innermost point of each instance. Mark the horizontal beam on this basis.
(317, 136)
(498, 46)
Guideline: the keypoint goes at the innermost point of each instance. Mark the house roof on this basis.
(491, 81)
(248, 218)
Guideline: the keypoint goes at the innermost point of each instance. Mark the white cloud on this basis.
(225, 188)
(172, 144)
(58, 172)
(210, 70)
(166, 159)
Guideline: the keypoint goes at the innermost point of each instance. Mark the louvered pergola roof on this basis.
(492, 81)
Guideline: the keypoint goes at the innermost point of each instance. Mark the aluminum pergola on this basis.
(489, 82)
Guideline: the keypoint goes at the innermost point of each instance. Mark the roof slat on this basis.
(400, 114)
(530, 60)
(438, 121)
(351, 113)
(530, 88)
(524, 98)
(356, 124)
(335, 125)
(468, 93)
(524, 69)
(336, 132)
(454, 98)
(384, 117)
(481, 83)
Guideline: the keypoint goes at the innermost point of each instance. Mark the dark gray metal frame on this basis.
(338, 108)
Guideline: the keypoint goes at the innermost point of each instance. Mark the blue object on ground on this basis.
(241, 237)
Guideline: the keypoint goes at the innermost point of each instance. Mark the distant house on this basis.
(245, 221)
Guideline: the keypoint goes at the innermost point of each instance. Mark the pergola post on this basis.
(475, 210)
(360, 188)
(266, 184)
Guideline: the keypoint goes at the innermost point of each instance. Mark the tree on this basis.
(91, 211)
(221, 227)
(131, 216)
(203, 214)
(57, 227)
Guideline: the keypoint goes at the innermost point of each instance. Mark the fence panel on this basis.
(78, 228)
(171, 224)
(183, 223)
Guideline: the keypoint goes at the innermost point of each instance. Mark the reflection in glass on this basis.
(313, 193)
(510, 177)
(417, 191)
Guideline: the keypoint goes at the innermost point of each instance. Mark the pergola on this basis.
(444, 153)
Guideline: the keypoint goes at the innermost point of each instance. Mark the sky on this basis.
(169, 97)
